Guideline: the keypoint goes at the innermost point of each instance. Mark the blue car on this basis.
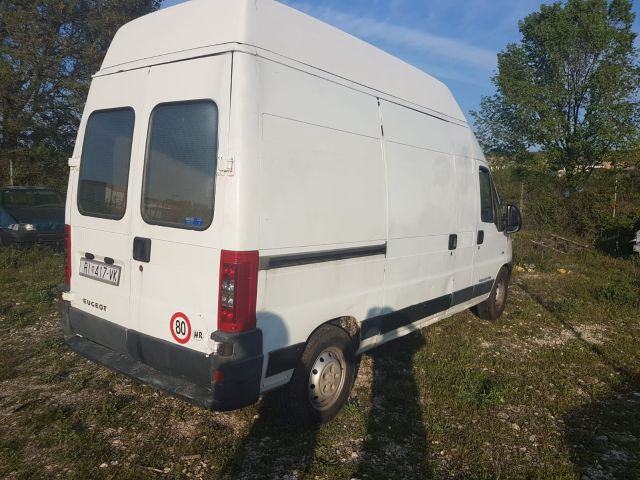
(30, 215)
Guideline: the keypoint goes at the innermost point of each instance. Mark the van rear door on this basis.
(176, 224)
(100, 205)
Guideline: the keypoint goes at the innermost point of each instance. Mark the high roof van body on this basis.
(256, 198)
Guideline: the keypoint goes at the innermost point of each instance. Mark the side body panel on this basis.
(341, 169)
(421, 186)
(322, 189)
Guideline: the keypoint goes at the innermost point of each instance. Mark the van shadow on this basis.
(271, 448)
(603, 436)
(395, 443)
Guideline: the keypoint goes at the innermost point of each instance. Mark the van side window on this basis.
(104, 170)
(180, 167)
(497, 210)
(486, 197)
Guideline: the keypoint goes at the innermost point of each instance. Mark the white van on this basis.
(256, 198)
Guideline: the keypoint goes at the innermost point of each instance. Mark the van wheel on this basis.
(492, 307)
(322, 382)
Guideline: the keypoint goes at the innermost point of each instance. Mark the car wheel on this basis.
(492, 307)
(322, 382)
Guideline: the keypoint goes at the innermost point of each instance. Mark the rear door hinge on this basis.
(225, 166)
(74, 163)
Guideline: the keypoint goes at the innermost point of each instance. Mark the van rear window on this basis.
(182, 152)
(104, 167)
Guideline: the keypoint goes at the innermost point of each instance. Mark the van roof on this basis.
(181, 30)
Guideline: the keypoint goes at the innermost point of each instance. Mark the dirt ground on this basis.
(552, 389)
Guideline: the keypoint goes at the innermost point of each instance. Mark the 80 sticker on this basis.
(180, 327)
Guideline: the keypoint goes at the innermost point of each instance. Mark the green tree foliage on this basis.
(569, 89)
(48, 51)
(586, 214)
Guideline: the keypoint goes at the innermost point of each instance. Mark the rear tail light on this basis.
(237, 292)
(67, 241)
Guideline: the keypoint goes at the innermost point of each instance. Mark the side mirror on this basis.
(513, 219)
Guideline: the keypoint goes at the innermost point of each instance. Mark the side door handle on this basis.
(480, 237)
(142, 249)
(453, 241)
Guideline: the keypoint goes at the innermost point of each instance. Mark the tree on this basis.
(569, 89)
(48, 51)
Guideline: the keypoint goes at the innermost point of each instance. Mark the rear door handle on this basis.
(142, 249)
(453, 241)
(480, 237)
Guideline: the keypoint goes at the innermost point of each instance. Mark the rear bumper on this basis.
(172, 368)
(10, 237)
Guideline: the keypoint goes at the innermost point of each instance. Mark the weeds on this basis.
(626, 294)
(551, 390)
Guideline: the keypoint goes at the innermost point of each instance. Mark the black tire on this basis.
(328, 344)
(492, 308)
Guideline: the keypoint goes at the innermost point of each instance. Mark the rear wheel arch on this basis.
(347, 323)
(296, 398)
(351, 326)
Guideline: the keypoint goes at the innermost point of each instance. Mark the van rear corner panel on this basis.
(322, 174)
(319, 186)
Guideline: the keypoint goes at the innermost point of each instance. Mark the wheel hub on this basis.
(326, 379)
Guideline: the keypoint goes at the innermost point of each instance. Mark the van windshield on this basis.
(38, 198)
(182, 152)
(104, 167)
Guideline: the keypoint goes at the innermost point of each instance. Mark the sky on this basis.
(456, 41)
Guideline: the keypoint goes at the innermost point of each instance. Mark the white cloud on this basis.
(444, 57)
(406, 38)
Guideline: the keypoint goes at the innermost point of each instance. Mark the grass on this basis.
(551, 390)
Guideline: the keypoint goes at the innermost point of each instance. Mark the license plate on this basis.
(100, 271)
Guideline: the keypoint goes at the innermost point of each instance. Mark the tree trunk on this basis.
(615, 192)
(8, 148)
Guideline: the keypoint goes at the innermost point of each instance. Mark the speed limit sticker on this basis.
(180, 328)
